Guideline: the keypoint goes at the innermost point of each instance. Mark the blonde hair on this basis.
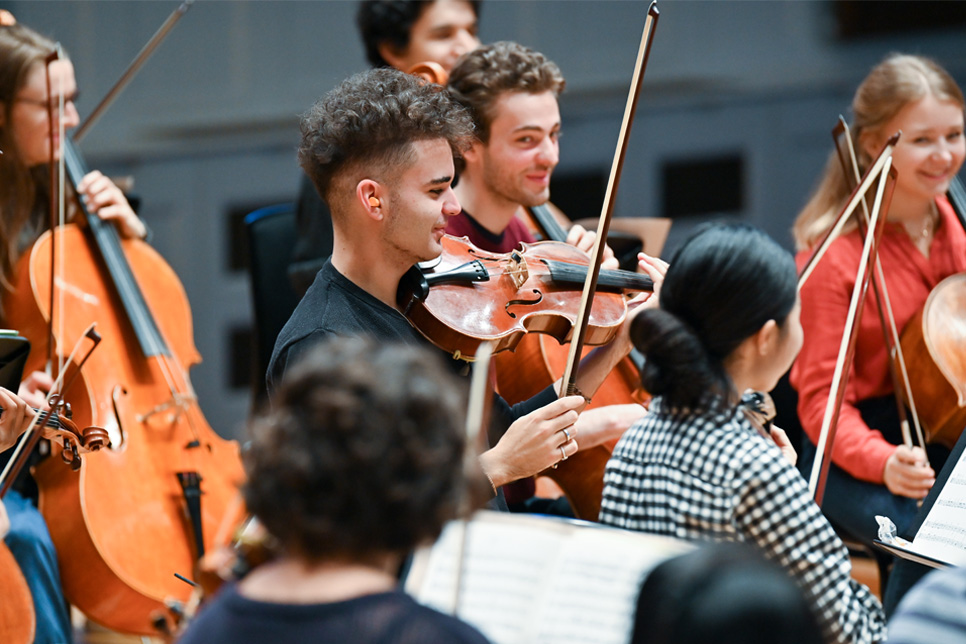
(898, 80)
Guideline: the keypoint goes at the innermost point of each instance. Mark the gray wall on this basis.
(211, 122)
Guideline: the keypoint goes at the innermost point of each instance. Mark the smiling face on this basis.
(419, 203)
(523, 148)
(28, 115)
(444, 31)
(929, 152)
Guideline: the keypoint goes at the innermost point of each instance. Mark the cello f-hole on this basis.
(121, 436)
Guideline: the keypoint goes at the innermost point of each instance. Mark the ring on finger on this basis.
(563, 453)
(566, 432)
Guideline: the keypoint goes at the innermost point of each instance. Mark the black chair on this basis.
(271, 239)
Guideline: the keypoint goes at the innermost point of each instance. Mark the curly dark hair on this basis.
(390, 22)
(371, 120)
(483, 75)
(363, 452)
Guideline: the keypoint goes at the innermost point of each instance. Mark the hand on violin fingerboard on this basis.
(584, 240)
(103, 197)
(15, 417)
(656, 269)
(784, 444)
(34, 389)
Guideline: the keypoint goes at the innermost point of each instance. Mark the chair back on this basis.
(271, 239)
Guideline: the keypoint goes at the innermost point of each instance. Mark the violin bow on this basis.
(569, 382)
(845, 146)
(884, 175)
(477, 417)
(132, 69)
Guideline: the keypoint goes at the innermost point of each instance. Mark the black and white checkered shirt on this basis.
(713, 477)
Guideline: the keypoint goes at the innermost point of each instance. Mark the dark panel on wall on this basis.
(702, 186)
(579, 195)
(861, 18)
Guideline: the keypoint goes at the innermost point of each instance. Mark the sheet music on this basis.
(539, 580)
(943, 532)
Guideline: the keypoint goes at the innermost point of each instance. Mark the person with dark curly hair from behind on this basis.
(725, 593)
(362, 458)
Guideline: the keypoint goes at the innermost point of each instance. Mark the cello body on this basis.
(121, 524)
(17, 624)
(934, 346)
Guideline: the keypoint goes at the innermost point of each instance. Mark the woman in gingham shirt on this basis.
(695, 467)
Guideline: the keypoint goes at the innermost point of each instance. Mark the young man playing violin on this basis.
(512, 92)
(380, 148)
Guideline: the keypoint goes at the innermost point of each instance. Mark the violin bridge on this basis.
(516, 268)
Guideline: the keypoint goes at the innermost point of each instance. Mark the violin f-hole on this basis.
(522, 302)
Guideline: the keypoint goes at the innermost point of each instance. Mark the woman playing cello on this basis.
(872, 472)
(25, 194)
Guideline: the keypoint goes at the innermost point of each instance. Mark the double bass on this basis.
(143, 511)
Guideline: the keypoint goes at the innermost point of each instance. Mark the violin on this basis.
(468, 296)
(536, 363)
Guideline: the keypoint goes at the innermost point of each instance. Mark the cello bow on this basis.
(883, 174)
(845, 146)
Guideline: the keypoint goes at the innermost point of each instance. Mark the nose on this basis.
(71, 117)
(465, 42)
(549, 152)
(451, 205)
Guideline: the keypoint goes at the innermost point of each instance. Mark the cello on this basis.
(934, 343)
(146, 509)
(17, 623)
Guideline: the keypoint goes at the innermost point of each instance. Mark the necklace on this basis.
(928, 226)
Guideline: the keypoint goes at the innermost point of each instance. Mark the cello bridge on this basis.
(178, 403)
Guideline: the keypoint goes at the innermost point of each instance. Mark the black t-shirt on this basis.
(383, 618)
(334, 305)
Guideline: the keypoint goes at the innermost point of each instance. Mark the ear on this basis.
(767, 337)
(474, 153)
(370, 195)
(391, 55)
(870, 143)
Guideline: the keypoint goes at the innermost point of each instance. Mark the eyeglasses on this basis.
(53, 104)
